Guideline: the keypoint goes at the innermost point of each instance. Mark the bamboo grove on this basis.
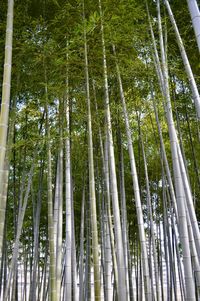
(99, 150)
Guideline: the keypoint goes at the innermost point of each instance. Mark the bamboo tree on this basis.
(92, 196)
(74, 262)
(188, 69)
(174, 214)
(155, 255)
(68, 259)
(81, 267)
(106, 186)
(108, 259)
(19, 232)
(87, 292)
(195, 16)
(136, 190)
(59, 225)
(123, 208)
(33, 286)
(52, 265)
(180, 193)
(5, 103)
(115, 202)
(109, 214)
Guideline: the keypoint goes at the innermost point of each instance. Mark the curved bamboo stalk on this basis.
(195, 16)
(180, 193)
(186, 63)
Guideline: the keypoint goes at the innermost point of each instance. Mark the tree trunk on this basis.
(81, 267)
(136, 191)
(195, 16)
(92, 196)
(68, 240)
(5, 113)
(180, 193)
(114, 189)
(186, 63)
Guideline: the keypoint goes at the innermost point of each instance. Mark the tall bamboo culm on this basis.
(6, 87)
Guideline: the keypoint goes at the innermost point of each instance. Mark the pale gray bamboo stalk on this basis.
(3, 201)
(136, 191)
(106, 256)
(178, 263)
(56, 206)
(3, 196)
(58, 218)
(53, 294)
(62, 293)
(114, 189)
(108, 260)
(176, 239)
(123, 209)
(34, 280)
(3, 268)
(18, 234)
(92, 194)
(137, 266)
(105, 164)
(180, 136)
(151, 264)
(165, 237)
(102, 230)
(180, 194)
(190, 204)
(74, 261)
(155, 255)
(59, 225)
(24, 279)
(68, 259)
(159, 244)
(155, 55)
(165, 160)
(140, 279)
(180, 197)
(58, 221)
(81, 268)
(4, 114)
(88, 256)
(196, 167)
(52, 266)
(110, 223)
(171, 227)
(14, 286)
(130, 272)
(174, 214)
(194, 255)
(195, 16)
(186, 63)
(44, 279)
